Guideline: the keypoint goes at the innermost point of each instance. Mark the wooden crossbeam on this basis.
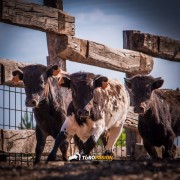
(92, 53)
(157, 46)
(37, 17)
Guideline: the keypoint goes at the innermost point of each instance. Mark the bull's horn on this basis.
(16, 79)
(104, 85)
(60, 81)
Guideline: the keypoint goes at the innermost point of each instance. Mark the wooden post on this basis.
(51, 38)
(132, 135)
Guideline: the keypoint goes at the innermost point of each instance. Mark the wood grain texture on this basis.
(157, 46)
(92, 53)
(131, 120)
(24, 141)
(37, 17)
(51, 38)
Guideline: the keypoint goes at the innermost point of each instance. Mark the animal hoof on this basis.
(108, 153)
(65, 159)
(51, 157)
(36, 163)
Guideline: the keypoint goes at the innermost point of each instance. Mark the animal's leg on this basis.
(41, 141)
(150, 149)
(60, 140)
(104, 138)
(113, 136)
(92, 140)
(89, 145)
(64, 148)
(79, 143)
(170, 148)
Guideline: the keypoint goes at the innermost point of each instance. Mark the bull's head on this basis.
(82, 86)
(35, 79)
(140, 89)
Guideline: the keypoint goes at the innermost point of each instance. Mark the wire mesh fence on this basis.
(13, 112)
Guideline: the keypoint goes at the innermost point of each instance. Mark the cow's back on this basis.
(113, 102)
(171, 99)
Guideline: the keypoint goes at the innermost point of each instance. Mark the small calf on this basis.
(159, 113)
(97, 105)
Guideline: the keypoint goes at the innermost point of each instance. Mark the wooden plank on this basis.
(51, 38)
(157, 46)
(24, 141)
(37, 17)
(16, 141)
(7, 67)
(92, 53)
(132, 120)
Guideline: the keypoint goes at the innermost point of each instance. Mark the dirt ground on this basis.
(102, 170)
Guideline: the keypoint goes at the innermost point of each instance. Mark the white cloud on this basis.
(97, 16)
(101, 27)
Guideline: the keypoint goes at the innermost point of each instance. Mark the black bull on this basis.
(49, 102)
(159, 113)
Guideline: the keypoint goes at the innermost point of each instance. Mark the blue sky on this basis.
(102, 21)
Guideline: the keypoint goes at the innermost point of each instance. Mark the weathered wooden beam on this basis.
(23, 141)
(92, 53)
(131, 120)
(37, 17)
(51, 38)
(157, 46)
(7, 67)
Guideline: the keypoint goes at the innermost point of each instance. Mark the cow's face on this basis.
(82, 86)
(35, 78)
(140, 89)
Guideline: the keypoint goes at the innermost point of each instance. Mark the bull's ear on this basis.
(54, 71)
(64, 81)
(101, 81)
(128, 83)
(158, 82)
(17, 76)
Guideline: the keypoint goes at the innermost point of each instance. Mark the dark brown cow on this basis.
(159, 113)
(48, 100)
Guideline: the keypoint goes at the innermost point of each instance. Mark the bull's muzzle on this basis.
(31, 103)
(83, 113)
